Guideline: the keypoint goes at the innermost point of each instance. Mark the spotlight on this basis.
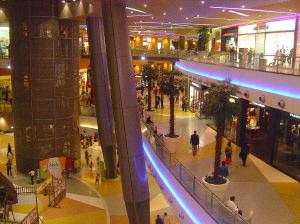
(281, 103)
(262, 98)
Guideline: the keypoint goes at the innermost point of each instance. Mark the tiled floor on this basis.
(265, 195)
(86, 202)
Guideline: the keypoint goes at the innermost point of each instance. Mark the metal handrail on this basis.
(195, 183)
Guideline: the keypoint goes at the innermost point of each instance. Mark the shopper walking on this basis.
(244, 153)
(166, 219)
(9, 150)
(32, 174)
(86, 155)
(142, 90)
(159, 220)
(97, 178)
(91, 166)
(224, 170)
(228, 153)
(194, 141)
(8, 168)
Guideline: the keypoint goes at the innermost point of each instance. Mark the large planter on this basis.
(217, 189)
(171, 143)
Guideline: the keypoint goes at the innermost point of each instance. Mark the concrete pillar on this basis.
(100, 79)
(242, 121)
(127, 123)
(166, 43)
(45, 65)
(138, 42)
(154, 43)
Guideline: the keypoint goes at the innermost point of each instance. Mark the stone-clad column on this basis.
(45, 65)
(101, 86)
(127, 124)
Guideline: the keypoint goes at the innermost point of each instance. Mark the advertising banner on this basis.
(52, 167)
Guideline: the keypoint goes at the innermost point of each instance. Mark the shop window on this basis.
(287, 147)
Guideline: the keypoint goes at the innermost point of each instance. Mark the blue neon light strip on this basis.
(169, 186)
(247, 85)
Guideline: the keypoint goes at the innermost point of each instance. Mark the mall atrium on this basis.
(150, 111)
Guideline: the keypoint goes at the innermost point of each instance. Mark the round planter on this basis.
(217, 189)
(171, 143)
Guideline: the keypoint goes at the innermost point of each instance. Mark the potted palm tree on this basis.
(149, 74)
(218, 107)
(170, 84)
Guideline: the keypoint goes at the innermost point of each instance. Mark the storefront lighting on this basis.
(253, 10)
(135, 10)
(238, 13)
(231, 100)
(258, 104)
(235, 97)
(295, 116)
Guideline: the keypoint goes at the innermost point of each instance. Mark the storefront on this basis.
(4, 41)
(258, 130)
(287, 144)
(215, 43)
(84, 42)
(229, 39)
(85, 91)
(195, 98)
(273, 40)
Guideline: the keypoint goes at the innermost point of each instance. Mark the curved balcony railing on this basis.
(174, 54)
(282, 63)
(210, 202)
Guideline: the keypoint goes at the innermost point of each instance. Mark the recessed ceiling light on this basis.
(186, 18)
(290, 10)
(152, 17)
(131, 12)
(238, 13)
(198, 15)
(202, 2)
(223, 10)
(243, 6)
(145, 5)
(180, 8)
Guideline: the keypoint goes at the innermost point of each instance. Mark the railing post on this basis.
(211, 201)
(234, 218)
(194, 185)
(180, 175)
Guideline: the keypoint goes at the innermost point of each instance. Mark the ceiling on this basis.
(175, 17)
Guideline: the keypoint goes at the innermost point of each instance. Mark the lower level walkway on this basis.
(266, 195)
(86, 202)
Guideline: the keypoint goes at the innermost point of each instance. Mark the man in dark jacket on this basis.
(244, 153)
(194, 142)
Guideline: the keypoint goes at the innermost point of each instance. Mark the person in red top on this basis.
(155, 91)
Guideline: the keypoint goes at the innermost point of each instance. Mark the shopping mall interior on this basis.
(150, 111)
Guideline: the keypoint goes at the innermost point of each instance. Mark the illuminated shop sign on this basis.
(195, 84)
(295, 116)
(258, 104)
(275, 26)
